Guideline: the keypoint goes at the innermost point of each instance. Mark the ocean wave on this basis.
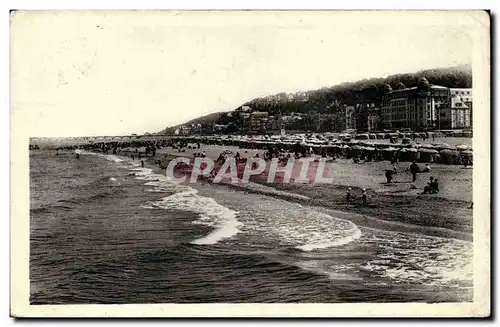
(186, 198)
(289, 224)
(413, 258)
(210, 213)
(355, 234)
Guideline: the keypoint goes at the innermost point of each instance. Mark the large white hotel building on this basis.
(426, 107)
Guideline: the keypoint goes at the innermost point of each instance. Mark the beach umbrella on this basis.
(442, 146)
(427, 146)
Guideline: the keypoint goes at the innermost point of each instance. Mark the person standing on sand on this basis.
(414, 170)
(142, 163)
(364, 197)
(348, 195)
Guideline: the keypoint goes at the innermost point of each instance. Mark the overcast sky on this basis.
(78, 73)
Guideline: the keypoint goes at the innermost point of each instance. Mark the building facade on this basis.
(461, 108)
(258, 122)
(415, 107)
(350, 117)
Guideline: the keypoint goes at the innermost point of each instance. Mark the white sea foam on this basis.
(352, 235)
(187, 198)
(210, 213)
(291, 224)
(420, 259)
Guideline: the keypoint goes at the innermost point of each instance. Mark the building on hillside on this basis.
(274, 123)
(184, 130)
(243, 109)
(414, 107)
(258, 122)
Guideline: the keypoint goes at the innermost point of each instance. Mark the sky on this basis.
(118, 73)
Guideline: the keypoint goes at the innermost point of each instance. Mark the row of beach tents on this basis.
(432, 152)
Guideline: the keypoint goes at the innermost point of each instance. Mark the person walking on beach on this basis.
(414, 170)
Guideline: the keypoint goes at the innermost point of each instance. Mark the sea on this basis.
(104, 230)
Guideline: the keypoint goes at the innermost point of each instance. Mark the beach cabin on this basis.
(427, 155)
(448, 157)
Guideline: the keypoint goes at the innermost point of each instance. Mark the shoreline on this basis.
(361, 216)
(387, 218)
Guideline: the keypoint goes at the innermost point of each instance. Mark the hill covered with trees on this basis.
(328, 98)
(333, 98)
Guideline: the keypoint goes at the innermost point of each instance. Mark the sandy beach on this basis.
(394, 206)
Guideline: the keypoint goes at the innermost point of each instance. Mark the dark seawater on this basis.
(104, 230)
